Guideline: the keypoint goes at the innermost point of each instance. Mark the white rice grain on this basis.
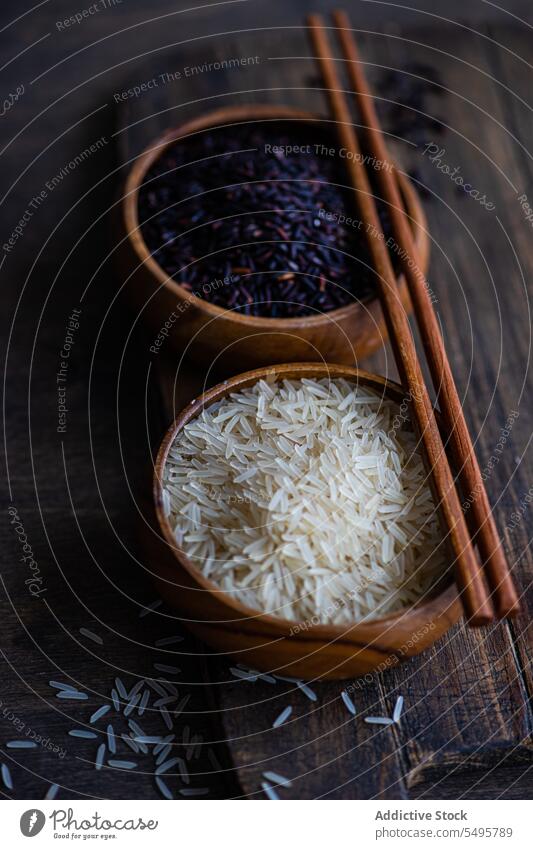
(305, 499)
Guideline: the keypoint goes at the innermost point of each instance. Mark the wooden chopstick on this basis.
(468, 574)
(503, 591)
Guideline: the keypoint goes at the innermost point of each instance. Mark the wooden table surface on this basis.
(75, 497)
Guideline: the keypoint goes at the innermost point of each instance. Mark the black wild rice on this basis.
(222, 206)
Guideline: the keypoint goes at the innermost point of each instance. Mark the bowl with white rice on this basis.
(295, 524)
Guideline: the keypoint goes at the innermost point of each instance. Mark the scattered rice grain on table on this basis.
(283, 717)
(85, 632)
(100, 754)
(306, 499)
(379, 720)
(348, 701)
(98, 714)
(52, 791)
(276, 778)
(398, 707)
(6, 777)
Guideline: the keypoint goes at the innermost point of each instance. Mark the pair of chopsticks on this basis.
(486, 589)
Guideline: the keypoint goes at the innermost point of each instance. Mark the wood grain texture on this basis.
(469, 576)
(447, 730)
(501, 589)
(210, 334)
(449, 744)
(269, 642)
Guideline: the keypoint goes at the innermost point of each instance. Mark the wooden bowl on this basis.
(215, 336)
(269, 642)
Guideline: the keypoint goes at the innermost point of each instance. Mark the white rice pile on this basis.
(305, 499)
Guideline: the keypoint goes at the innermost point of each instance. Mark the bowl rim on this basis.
(440, 600)
(235, 116)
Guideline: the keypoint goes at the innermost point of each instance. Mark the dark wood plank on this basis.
(468, 690)
(321, 747)
(87, 585)
(469, 698)
(516, 516)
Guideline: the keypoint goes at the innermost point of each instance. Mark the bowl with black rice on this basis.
(240, 242)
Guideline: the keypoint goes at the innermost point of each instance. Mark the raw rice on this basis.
(162, 756)
(306, 499)
(85, 632)
(66, 688)
(6, 777)
(73, 695)
(111, 739)
(100, 756)
(136, 689)
(144, 702)
(167, 719)
(163, 788)
(132, 704)
(51, 793)
(164, 742)
(348, 702)
(276, 778)
(157, 687)
(121, 689)
(398, 707)
(119, 764)
(136, 728)
(164, 767)
(283, 717)
(80, 732)
(307, 691)
(131, 743)
(98, 714)
(379, 720)
(269, 790)
(244, 675)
